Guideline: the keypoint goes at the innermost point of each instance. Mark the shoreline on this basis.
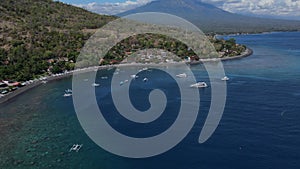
(255, 33)
(20, 91)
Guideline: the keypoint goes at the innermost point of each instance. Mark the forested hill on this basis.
(36, 35)
(43, 37)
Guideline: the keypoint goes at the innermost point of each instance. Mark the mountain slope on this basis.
(36, 35)
(212, 19)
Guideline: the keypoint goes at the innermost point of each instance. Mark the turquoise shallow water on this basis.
(260, 127)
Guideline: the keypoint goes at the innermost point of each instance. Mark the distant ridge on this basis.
(212, 19)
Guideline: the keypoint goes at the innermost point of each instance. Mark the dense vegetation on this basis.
(42, 37)
(36, 35)
(225, 48)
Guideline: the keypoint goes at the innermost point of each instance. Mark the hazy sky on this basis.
(278, 8)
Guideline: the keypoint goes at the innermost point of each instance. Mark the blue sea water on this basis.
(260, 127)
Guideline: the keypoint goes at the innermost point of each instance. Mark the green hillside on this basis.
(43, 37)
(39, 34)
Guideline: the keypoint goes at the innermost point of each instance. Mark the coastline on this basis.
(254, 33)
(11, 95)
(28, 87)
(248, 52)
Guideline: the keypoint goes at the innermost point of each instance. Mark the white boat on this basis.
(68, 91)
(134, 76)
(95, 84)
(123, 82)
(67, 94)
(225, 78)
(182, 75)
(145, 79)
(199, 85)
(104, 77)
(76, 147)
(144, 69)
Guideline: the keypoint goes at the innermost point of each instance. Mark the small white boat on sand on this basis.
(199, 85)
(76, 147)
(182, 75)
(225, 78)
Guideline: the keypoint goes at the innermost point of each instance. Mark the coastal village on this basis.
(8, 86)
(224, 48)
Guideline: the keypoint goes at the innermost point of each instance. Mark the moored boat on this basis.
(182, 75)
(225, 78)
(199, 85)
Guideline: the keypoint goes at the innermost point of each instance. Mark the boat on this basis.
(199, 85)
(123, 82)
(104, 77)
(145, 79)
(68, 91)
(76, 147)
(143, 69)
(225, 78)
(134, 76)
(95, 84)
(182, 75)
(67, 94)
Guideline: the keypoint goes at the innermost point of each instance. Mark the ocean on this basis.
(260, 127)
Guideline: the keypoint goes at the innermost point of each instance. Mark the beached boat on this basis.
(199, 85)
(182, 75)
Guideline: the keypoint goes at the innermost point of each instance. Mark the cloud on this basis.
(260, 7)
(112, 8)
